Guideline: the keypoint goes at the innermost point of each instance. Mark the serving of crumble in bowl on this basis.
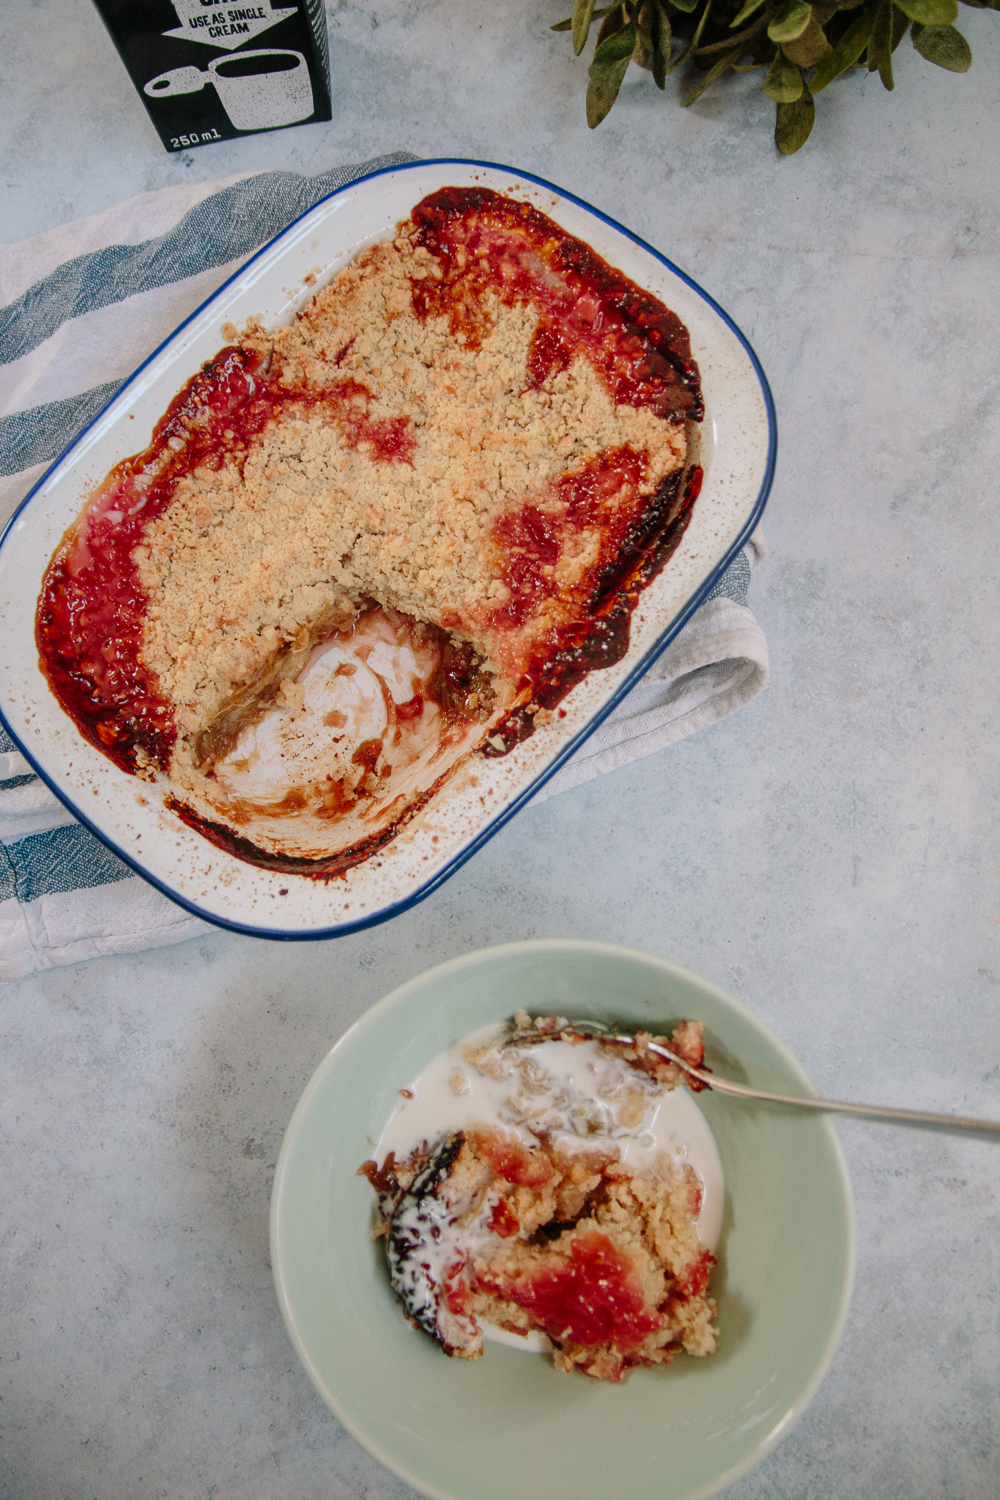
(426, 486)
(462, 1427)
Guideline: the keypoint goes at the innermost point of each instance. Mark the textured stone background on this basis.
(831, 855)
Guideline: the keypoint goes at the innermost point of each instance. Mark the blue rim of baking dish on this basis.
(396, 908)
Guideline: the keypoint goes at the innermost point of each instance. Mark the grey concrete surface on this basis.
(831, 855)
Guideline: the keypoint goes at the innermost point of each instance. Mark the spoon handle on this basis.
(832, 1106)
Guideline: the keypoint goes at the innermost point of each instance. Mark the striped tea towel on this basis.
(80, 308)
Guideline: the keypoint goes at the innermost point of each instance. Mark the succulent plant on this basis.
(800, 48)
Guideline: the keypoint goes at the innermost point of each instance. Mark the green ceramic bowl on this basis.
(511, 1422)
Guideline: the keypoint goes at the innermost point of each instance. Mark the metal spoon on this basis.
(831, 1106)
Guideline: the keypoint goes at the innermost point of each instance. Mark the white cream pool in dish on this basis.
(571, 1095)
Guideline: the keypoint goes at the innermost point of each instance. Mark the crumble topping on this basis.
(244, 557)
(478, 429)
(539, 1226)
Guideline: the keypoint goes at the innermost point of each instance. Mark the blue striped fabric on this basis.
(39, 435)
(229, 224)
(64, 859)
(734, 583)
(60, 859)
(11, 783)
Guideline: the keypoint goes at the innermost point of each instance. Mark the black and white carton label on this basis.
(207, 72)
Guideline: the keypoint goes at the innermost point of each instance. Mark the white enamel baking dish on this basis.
(738, 448)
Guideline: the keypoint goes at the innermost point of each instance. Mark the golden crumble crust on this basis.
(248, 554)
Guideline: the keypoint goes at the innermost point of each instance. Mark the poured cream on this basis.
(347, 685)
(573, 1093)
(370, 690)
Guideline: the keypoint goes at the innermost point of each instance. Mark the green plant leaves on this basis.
(784, 82)
(786, 40)
(732, 41)
(930, 12)
(900, 26)
(747, 10)
(715, 71)
(612, 56)
(619, 45)
(741, 39)
(791, 21)
(794, 122)
(846, 52)
(809, 48)
(663, 38)
(567, 25)
(615, 17)
(583, 14)
(602, 92)
(643, 53)
(944, 46)
(880, 43)
(692, 46)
